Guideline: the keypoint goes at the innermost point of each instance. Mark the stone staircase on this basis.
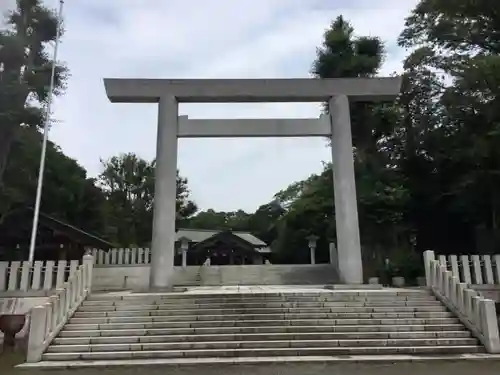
(273, 324)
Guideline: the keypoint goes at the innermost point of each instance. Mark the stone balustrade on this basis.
(473, 269)
(476, 312)
(47, 320)
(121, 256)
(24, 276)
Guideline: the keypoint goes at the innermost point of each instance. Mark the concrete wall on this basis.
(120, 277)
(137, 276)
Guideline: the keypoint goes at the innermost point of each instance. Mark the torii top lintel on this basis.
(125, 90)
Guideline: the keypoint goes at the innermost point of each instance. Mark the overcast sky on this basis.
(204, 39)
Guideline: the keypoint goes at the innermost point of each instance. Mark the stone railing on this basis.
(478, 314)
(472, 269)
(47, 320)
(38, 276)
(121, 256)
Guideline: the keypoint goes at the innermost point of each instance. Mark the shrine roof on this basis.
(199, 235)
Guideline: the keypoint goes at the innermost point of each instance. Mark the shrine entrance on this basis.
(337, 93)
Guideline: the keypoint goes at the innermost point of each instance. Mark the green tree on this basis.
(128, 182)
(342, 55)
(67, 192)
(309, 204)
(455, 50)
(211, 219)
(26, 71)
(309, 210)
(263, 221)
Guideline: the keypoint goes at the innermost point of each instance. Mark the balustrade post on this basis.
(4, 266)
(72, 291)
(83, 274)
(489, 325)
(453, 288)
(67, 297)
(429, 257)
(476, 318)
(465, 263)
(496, 260)
(476, 267)
(446, 284)
(61, 293)
(77, 286)
(488, 269)
(460, 295)
(36, 333)
(468, 295)
(54, 301)
(442, 278)
(454, 266)
(49, 308)
(434, 273)
(88, 264)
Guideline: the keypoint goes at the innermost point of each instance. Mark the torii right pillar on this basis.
(350, 262)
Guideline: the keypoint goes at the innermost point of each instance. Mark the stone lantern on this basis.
(312, 240)
(184, 248)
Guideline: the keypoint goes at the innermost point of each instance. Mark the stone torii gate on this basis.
(168, 93)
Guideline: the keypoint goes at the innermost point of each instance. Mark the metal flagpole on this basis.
(46, 128)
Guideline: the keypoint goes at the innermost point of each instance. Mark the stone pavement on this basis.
(380, 365)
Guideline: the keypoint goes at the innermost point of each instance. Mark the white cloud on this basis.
(191, 38)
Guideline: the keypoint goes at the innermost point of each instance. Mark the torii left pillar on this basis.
(163, 241)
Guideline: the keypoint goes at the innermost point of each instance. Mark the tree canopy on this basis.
(26, 71)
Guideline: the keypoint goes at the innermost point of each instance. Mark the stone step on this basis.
(227, 300)
(322, 335)
(211, 312)
(162, 312)
(261, 316)
(262, 352)
(128, 307)
(238, 298)
(255, 322)
(184, 345)
(263, 329)
(260, 296)
(380, 304)
(238, 305)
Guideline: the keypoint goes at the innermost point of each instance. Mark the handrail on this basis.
(478, 314)
(48, 319)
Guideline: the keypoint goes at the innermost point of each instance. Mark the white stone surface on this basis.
(235, 128)
(263, 320)
(251, 90)
(137, 276)
(346, 208)
(163, 242)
